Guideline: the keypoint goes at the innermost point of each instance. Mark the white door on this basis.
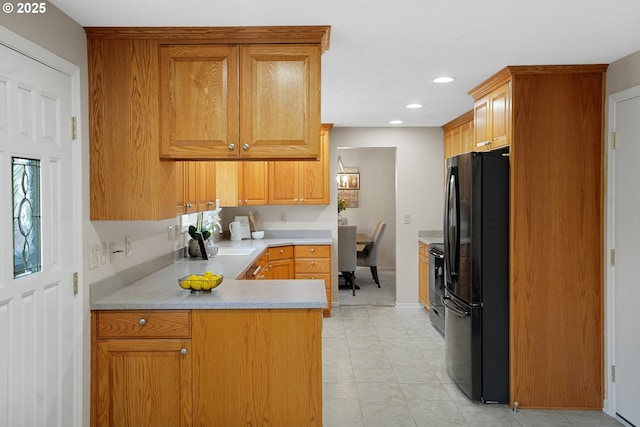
(37, 349)
(626, 238)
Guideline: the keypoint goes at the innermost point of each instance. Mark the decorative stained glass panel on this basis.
(27, 219)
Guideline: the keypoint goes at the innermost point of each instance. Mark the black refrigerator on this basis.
(476, 298)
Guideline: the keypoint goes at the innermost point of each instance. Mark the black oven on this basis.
(436, 285)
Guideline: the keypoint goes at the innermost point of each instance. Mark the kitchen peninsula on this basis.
(248, 353)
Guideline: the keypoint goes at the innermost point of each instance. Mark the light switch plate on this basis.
(407, 218)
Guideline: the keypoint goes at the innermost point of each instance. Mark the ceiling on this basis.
(384, 55)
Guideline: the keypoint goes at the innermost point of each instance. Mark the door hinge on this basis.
(613, 373)
(613, 140)
(75, 283)
(613, 257)
(74, 128)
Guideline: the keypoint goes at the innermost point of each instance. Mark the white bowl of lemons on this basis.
(199, 284)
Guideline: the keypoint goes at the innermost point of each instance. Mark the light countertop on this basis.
(160, 290)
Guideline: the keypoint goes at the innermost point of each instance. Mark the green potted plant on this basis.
(342, 205)
(194, 246)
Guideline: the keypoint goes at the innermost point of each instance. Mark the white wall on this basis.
(376, 197)
(419, 181)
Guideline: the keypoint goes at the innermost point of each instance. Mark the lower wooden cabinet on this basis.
(423, 274)
(314, 262)
(226, 368)
(137, 378)
(257, 367)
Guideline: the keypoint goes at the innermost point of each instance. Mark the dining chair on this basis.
(347, 258)
(368, 257)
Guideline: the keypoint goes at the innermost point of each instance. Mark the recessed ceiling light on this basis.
(443, 80)
(414, 106)
(395, 122)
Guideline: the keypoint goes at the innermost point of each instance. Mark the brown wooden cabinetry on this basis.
(280, 262)
(458, 135)
(423, 274)
(242, 183)
(301, 182)
(492, 118)
(225, 368)
(141, 368)
(314, 262)
(554, 126)
(237, 101)
(127, 68)
(257, 367)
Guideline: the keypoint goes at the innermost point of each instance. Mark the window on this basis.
(27, 219)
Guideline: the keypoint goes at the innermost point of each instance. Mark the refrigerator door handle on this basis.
(455, 308)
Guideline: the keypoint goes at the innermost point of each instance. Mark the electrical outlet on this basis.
(407, 218)
(94, 256)
(170, 233)
(103, 253)
(176, 230)
(283, 217)
(127, 246)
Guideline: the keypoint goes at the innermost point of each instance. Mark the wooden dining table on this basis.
(362, 240)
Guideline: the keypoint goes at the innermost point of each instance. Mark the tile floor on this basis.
(384, 367)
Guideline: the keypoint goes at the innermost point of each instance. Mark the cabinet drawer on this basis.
(282, 252)
(326, 277)
(320, 265)
(313, 251)
(143, 324)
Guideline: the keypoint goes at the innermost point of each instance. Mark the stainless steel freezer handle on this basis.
(455, 308)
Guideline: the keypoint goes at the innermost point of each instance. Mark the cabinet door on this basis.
(466, 137)
(228, 180)
(206, 185)
(186, 187)
(423, 276)
(281, 269)
(254, 183)
(143, 382)
(313, 182)
(199, 101)
(500, 116)
(481, 124)
(280, 101)
(283, 183)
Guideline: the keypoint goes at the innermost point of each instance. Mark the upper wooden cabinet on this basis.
(492, 117)
(301, 182)
(458, 135)
(242, 183)
(276, 115)
(240, 101)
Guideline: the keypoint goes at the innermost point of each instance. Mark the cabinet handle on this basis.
(209, 203)
(232, 146)
(483, 143)
(245, 146)
(142, 322)
(301, 200)
(183, 351)
(313, 263)
(281, 251)
(312, 249)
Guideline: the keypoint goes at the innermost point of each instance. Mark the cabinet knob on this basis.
(183, 351)
(313, 263)
(295, 200)
(245, 146)
(209, 203)
(232, 146)
(312, 249)
(281, 251)
(142, 322)
(302, 200)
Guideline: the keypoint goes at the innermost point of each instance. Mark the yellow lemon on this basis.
(196, 285)
(184, 284)
(208, 274)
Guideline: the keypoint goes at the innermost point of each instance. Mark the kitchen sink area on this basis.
(245, 250)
